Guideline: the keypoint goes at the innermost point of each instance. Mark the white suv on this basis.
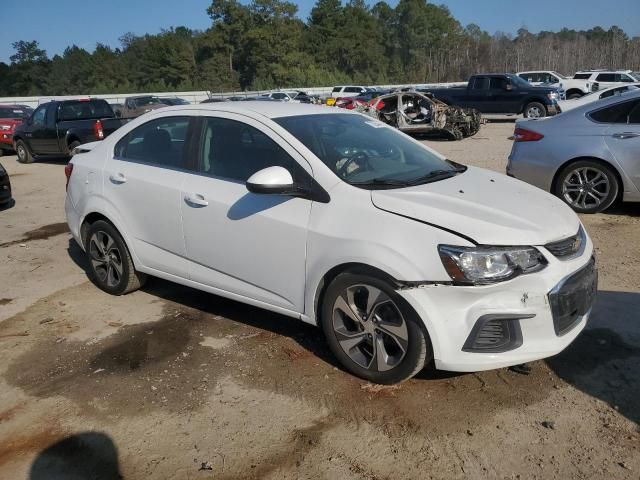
(347, 91)
(586, 81)
(330, 217)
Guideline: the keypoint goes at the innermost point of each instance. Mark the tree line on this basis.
(265, 45)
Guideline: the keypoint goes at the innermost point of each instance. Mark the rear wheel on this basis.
(72, 146)
(535, 110)
(372, 331)
(110, 264)
(587, 186)
(573, 96)
(24, 156)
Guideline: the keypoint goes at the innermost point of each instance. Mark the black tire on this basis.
(115, 281)
(411, 357)
(593, 173)
(73, 145)
(23, 153)
(535, 110)
(574, 96)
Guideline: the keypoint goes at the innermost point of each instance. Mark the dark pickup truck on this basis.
(502, 94)
(55, 128)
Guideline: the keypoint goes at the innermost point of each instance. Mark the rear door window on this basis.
(161, 142)
(582, 76)
(480, 83)
(606, 77)
(618, 113)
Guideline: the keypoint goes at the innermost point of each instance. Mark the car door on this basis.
(478, 95)
(606, 80)
(623, 140)
(143, 180)
(33, 131)
(252, 245)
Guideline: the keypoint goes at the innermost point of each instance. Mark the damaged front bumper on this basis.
(474, 328)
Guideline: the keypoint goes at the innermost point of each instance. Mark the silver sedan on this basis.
(589, 156)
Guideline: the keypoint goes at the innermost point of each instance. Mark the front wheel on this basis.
(24, 156)
(587, 186)
(110, 264)
(535, 110)
(372, 331)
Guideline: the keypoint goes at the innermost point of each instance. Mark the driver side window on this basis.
(39, 115)
(234, 150)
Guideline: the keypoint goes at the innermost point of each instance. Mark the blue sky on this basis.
(59, 23)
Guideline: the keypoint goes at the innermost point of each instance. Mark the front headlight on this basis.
(483, 264)
(5, 128)
(552, 96)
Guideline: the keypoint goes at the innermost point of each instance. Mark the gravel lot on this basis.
(172, 383)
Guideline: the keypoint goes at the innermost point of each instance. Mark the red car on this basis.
(10, 117)
(349, 102)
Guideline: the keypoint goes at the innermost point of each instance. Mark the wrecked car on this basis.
(413, 112)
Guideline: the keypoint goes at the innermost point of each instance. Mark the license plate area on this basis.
(572, 298)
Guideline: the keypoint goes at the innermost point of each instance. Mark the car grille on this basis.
(572, 298)
(567, 247)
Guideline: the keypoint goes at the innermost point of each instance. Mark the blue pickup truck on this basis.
(55, 128)
(501, 93)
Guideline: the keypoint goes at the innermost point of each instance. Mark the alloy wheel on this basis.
(22, 154)
(534, 112)
(370, 328)
(106, 258)
(586, 188)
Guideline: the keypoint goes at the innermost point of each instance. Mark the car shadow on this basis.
(603, 361)
(250, 204)
(79, 456)
(305, 335)
(627, 209)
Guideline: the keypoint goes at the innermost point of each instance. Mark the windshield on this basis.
(636, 75)
(367, 153)
(15, 112)
(559, 75)
(144, 101)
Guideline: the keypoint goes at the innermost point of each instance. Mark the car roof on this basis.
(605, 102)
(265, 109)
(603, 71)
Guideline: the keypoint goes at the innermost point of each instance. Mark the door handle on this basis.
(196, 200)
(625, 135)
(117, 178)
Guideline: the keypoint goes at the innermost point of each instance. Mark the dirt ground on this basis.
(172, 383)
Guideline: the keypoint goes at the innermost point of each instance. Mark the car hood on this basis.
(489, 208)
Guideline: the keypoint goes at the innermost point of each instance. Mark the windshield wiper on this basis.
(436, 175)
(382, 182)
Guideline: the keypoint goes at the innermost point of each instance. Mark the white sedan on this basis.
(402, 257)
(566, 105)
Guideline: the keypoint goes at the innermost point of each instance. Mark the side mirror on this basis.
(271, 180)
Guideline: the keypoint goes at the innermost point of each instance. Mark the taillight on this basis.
(524, 135)
(97, 130)
(68, 170)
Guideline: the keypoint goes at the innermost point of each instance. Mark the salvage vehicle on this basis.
(566, 105)
(502, 94)
(413, 112)
(402, 257)
(587, 156)
(10, 117)
(5, 188)
(56, 128)
(136, 106)
(586, 81)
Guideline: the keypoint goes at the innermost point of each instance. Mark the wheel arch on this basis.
(531, 100)
(571, 91)
(356, 268)
(616, 171)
